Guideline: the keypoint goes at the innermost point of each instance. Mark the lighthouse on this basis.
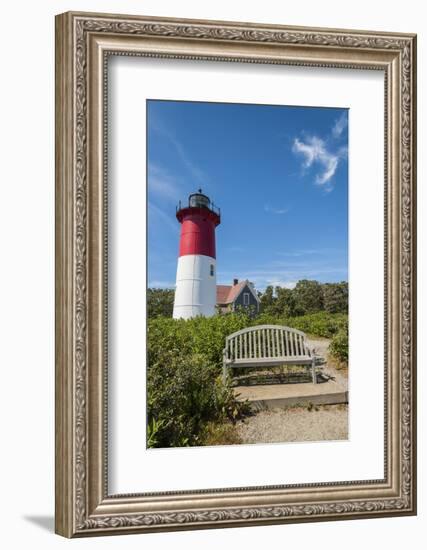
(195, 292)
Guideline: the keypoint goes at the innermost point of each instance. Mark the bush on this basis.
(338, 347)
(200, 335)
(183, 394)
(322, 324)
(160, 302)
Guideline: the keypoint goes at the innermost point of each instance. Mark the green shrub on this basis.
(338, 347)
(183, 394)
(322, 324)
(160, 302)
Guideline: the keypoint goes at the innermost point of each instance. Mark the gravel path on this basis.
(328, 422)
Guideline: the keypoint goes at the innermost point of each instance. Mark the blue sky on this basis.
(279, 175)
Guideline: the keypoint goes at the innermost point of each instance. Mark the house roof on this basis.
(226, 294)
(222, 292)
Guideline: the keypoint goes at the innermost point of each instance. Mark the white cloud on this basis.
(307, 252)
(269, 208)
(160, 218)
(340, 125)
(194, 170)
(314, 151)
(161, 183)
(197, 174)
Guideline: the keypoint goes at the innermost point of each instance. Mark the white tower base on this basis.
(195, 292)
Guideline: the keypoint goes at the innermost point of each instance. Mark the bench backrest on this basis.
(266, 341)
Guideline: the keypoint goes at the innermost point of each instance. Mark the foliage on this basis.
(154, 428)
(188, 404)
(281, 301)
(184, 387)
(200, 335)
(180, 397)
(286, 303)
(308, 296)
(220, 433)
(338, 347)
(321, 324)
(335, 297)
(267, 299)
(160, 302)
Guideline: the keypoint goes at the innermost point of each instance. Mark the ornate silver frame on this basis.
(83, 505)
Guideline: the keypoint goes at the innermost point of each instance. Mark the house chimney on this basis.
(235, 282)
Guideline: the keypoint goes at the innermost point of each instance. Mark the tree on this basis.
(285, 303)
(160, 302)
(308, 296)
(267, 299)
(335, 297)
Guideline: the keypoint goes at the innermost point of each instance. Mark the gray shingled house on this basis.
(229, 297)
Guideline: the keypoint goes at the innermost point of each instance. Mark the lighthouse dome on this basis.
(199, 200)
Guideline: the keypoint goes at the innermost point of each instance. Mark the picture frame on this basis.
(84, 41)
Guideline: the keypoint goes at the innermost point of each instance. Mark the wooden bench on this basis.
(267, 346)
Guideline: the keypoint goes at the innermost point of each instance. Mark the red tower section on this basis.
(198, 221)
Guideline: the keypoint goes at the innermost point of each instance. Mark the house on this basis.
(230, 297)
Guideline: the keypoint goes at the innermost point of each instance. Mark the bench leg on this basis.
(224, 373)
(313, 371)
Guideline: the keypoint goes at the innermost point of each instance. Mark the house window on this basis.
(246, 298)
(212, 270)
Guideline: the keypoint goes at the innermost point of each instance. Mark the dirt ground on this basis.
(325, 422)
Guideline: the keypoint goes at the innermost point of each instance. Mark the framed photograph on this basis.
(235, 274)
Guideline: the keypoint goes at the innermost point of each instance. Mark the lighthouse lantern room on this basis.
(195, 292)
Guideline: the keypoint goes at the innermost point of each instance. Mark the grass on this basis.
(224, 433)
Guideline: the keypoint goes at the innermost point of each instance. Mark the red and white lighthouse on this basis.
(195, 292)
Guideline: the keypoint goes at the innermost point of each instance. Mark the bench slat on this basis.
(279, 352)
(270, 361)
(273, 339)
